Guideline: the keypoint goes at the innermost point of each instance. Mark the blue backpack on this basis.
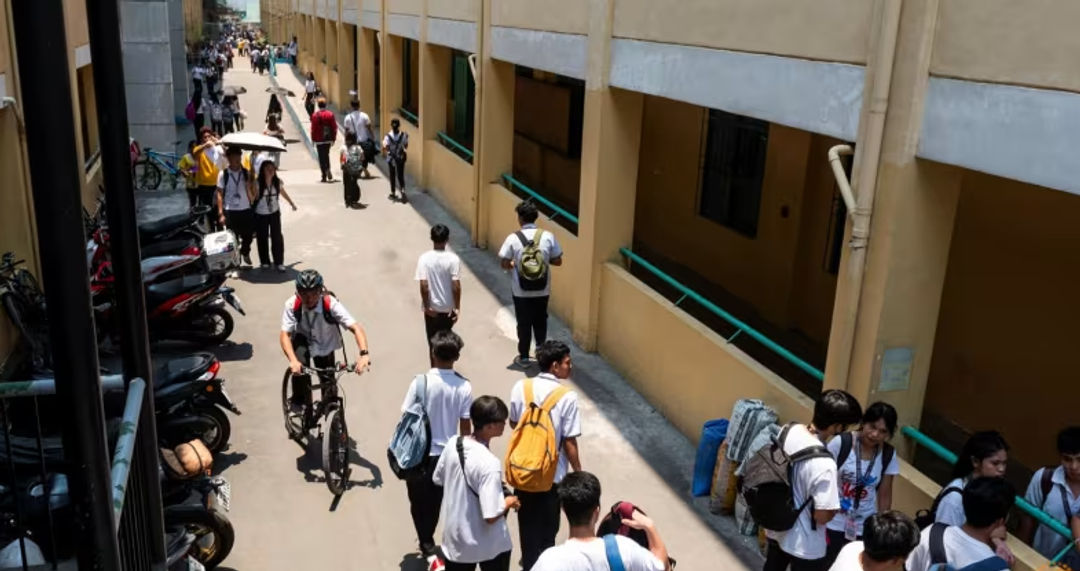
(411, 443)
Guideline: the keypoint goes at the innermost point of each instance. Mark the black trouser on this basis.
(216, 126)
(197, 83)
(397, 174)
(425, 499)
(204, 194)
(836, 541)
(324, 160)
(531, 314)
(436, 323)
(501, 562)
(269, 238)
(352, 189)
(538, 523)
(227, 125)
(309, 106)
(242, 223)
(239, 120)
(301, 384)
(777, 559)
(200, 120)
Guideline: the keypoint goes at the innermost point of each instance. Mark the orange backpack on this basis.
(533, 455)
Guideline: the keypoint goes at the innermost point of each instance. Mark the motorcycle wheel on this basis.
(212, 326)
(213, 532)
(335, 452)
(293, 424)
(217, 438)
(147, 175)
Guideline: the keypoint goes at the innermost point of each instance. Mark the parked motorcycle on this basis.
(188, 400)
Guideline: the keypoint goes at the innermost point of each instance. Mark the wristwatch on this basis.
(364, 353)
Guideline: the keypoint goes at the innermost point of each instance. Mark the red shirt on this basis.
(318, 120)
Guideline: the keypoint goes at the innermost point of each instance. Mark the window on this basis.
(88, 121)
(463, 100)
(733, 170)
(834, 242)
(410, 79)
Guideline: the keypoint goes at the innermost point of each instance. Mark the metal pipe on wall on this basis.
(56, 179)
(103, 21)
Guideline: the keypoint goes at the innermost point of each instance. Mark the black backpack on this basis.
(612, 524)
(926, 518)
(766, 484)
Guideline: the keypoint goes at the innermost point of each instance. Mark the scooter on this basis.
(188, 400)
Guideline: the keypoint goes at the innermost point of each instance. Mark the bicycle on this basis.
(330, 408)
(24, 304)
(151, 164)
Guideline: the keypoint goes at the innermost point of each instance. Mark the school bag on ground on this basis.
(354, 161)
(766, 483)
(612, 525)
(411, 443)
(532, 268)
(748, 417)
(939, 559)
(532, 456)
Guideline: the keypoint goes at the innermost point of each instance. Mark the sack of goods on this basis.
(221, 251)
(188, 460)
(748, 417)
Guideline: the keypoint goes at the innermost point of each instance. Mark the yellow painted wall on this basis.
(569, 16)
(75, 25)
(1007, 331)
(834, 30)
(467, 10)
(372, 5)
(1027, 43)
(542, 112)
(451, 181)
(405, 7)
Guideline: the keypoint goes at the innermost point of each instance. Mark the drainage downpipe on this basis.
(845, 320)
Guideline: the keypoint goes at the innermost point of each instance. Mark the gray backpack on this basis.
(766, 484)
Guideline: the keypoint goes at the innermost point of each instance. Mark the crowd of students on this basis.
(847, 523)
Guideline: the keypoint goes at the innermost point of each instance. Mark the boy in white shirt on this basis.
(987, 501)
(803, 546)
(583, 551)
(439, 273)
(1056, 490)
(447, 399)
(887, 539)
(474, 506)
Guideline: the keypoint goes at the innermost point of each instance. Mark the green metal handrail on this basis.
(447, 140)
(731, 319)
(408, 115)
(1025, 506)
(539, 198)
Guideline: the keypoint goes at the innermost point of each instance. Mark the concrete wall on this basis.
(178, 58)
(451, 181)
(467, 10)
(415, 7)
(148, 72)
(570, 16)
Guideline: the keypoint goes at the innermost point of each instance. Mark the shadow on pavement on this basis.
(224, 460)
(269, 275)
(411, 562)
(231, 351)
(310, 465)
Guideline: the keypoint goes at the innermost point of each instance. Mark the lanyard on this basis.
(1065, 504)
(859, 484)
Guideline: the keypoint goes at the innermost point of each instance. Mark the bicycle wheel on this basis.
(147, 175)
(293, 423)
(335, 452)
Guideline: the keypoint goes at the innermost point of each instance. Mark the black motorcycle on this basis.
(188, 399)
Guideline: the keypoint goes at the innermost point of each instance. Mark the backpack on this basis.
(215, 112)
(939, 559)
(328, 134)
(354, 161)
(532, 268)
(766, 484)
(532, 456)
(189, 111)
(411, 442)
(396, 145)
(612, 525)
(924, 518)
(847, 441)
(328, 316)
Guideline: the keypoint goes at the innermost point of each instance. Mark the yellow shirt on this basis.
(207, 173)
(188, 167)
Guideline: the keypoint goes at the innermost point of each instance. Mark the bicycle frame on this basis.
(167, 161)
(320, 407)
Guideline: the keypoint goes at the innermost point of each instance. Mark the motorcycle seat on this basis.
(182, 370)
(167, 224)
(165, 248)
(159, 293)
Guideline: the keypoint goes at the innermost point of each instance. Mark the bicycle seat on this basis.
(182, 370)
(156, 294)
(167, 224)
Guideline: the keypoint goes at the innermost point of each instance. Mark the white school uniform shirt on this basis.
(323, 338)
(441, 268)
(448, 398)
(358, 122)
(848, 558)
(1046, 541)
(512, 249)
(961, 550)
(951, 507)
(565, 418)
(869, 473)
(814, 478)
(268, 203)
(309, 86)
(471, 495)
(233, 184)
(591, 555)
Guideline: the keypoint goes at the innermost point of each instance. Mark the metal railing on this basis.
(740, 326)
(125, 445)
(409, 116)
(455, 146)
(1024, 505)
(558, 210)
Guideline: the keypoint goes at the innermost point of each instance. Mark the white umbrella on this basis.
(253, 142)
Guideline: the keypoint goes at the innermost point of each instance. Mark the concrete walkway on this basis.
(283, 514)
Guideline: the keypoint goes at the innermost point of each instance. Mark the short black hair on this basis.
(889, 535)
(979, 447)
(1068, 440)
(579, 494)
(440, 234)
(550, 352)
(881, 411)
(446, 346)
(487, 410)
(395, 122)
(350, 138)
(835, 406)
(527, 212)
(230, 151)
(987, 500)
(191, 146)
(355, 104)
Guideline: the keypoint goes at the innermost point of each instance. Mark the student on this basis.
(323, 134)
(447, 401)
(207, 154)
(986, 501)
(268, 214)
(530, 298)
(235, 195)
(310, 89)
(538, 518)
(189, 167)
(439, 272)
(888, 537)
(865, 475)
(358, 123)
(583, 551)
(474, 507)
(803, 546)
(394, 146)
(1056, 490)
(352, 167)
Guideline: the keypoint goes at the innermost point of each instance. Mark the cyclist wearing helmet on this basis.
(309, 332)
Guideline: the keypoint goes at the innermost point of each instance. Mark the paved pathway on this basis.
(283, 514)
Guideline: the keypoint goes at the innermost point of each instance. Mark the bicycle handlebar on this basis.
(337, 368)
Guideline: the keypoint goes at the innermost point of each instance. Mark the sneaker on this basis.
(247, 259)
(264, 266)
(435, 563)
(279, 268)
(522, 361)
(404, 199)
(392, 196)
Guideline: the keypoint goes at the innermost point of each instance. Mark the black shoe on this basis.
(404, 199)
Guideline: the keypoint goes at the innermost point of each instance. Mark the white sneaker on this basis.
(279, 268)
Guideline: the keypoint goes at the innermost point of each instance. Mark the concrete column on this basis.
(346, 73)
(611, 140)
(148, 72)
(910, 234)
(366, 47)
(322, 28)
(434, 87)
(495, 119)
(180, 82)
(390, 80)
